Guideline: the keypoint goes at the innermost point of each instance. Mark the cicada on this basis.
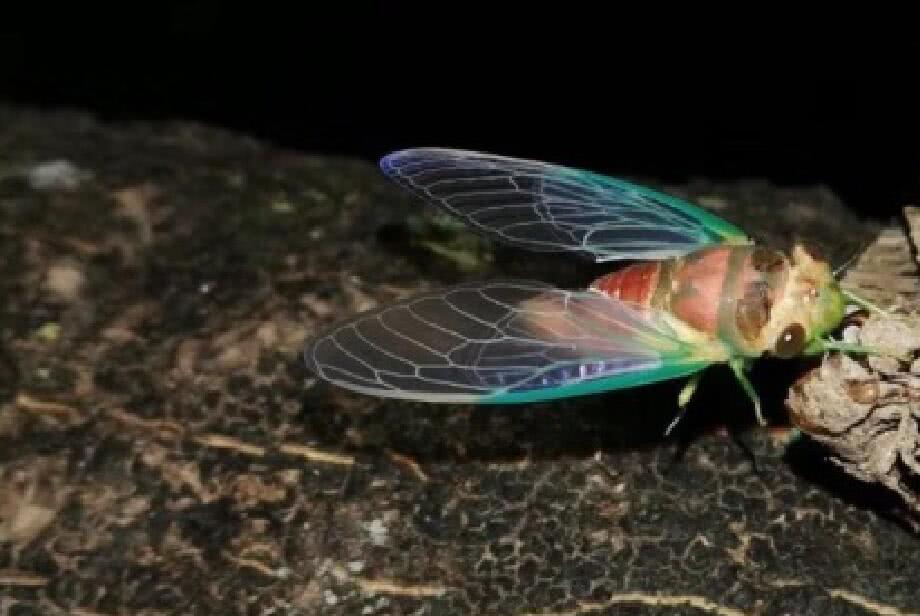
(690, 290)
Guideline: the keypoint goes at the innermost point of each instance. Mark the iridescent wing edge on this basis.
(500, 342)
(552, 208)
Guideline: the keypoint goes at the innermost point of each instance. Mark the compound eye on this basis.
(790, 342)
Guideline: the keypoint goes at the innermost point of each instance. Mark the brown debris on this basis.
(30, 498)
(256, 565)
(870, 605)
(123, 328)
(319, 307)
(649, 599)
(65, 279)
(316, 455)
(238, 348)
(414, 467)
(186, 358)
(250, 490)
(358, 300)
(397, 588)
(161, 428)
(54, 410)
(177, 475)
(220, 441)
(14, 577)
(136, 204)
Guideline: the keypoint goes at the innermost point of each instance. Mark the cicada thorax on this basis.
(725, 291)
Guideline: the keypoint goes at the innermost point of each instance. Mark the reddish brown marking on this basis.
(863, 392)
(752, 311)
(635, 283)
(693, 289)
(759, 283)
(696, 286)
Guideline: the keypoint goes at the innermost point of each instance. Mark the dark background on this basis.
(616, 92)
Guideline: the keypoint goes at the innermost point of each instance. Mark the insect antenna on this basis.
(864, 303)
(841, 268)
(854, 298)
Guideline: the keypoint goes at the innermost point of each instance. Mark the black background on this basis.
(610, 90)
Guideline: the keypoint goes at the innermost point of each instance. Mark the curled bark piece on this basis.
(867, 412)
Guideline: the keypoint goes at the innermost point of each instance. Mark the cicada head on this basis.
(812, 304)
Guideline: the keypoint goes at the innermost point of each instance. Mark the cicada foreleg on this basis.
(683, 399)
(818, 346)
(739, 365)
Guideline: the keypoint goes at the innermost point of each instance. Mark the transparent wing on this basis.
(500, 342)
(546, 207)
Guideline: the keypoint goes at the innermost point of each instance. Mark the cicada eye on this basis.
(790, 342)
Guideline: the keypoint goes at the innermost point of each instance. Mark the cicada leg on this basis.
(683, 399)
(738, 366)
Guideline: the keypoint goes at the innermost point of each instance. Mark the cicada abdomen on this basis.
(728, 292)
